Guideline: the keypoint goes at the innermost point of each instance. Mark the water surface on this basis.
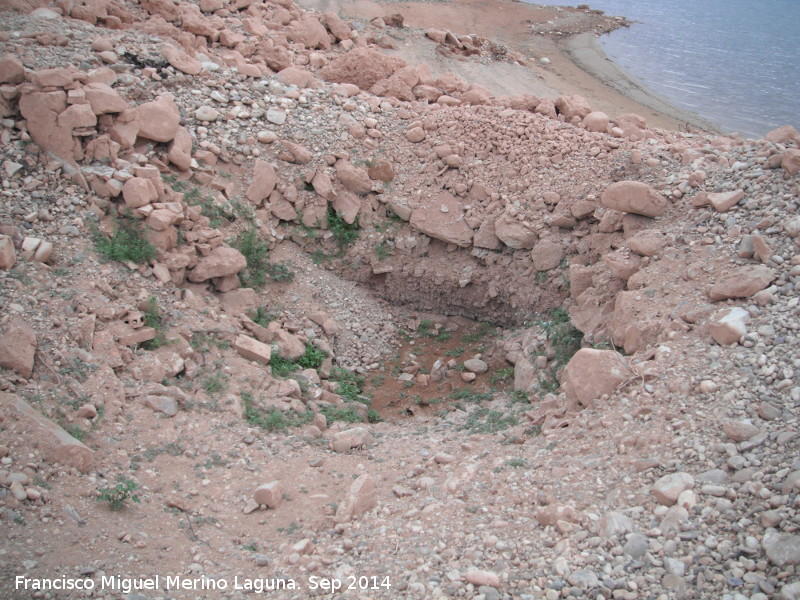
(734, 62)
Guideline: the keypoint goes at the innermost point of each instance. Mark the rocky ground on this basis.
(282, 314)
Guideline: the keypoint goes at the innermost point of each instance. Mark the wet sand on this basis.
(567, 37)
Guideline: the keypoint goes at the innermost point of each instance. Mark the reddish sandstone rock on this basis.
(513, 233)
(359, 500)
(415, 135)
(252, 349)
(269, 495)
(58, 77)
(592, 373)
(138, 192)
(220, 262)
(547, 108)
(381, 170)
(339, 29)
(180, 150)
(442, 218)
(347, 205)
(669, 487)
(309, 32)
(18, 347)
(104, 99)
(76, 116)
(323, 186)
(363, 67)
(634, 197)
(8, 255)
(791, 161)
(596, 121)
(41, 110)
(547, 255)
(728, 325)
(11, 69)
(55, 444)
(353, 178)
(295, 153)
(181, 60)
(784, 134)
(264, 181)
(647, 243)
(742, 283)
(295, 76)
(724, 201)
(158, 120)
(572, 106)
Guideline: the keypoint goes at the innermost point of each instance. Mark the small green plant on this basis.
(565, 340)
(424, 328)
(312, 358)
(382, 251)
(516, 463)
(334, 413)
(350, 385)
(259, 268)
(483, 330)
(272, 419)
(343, 232)
(118, 495)
(76, 432)
(214, 384)
(292, 528)
(502, 375)
(262, 316)
(483, 420)
(256, 252)
(282, 367)
(126, 244)
(469, 395)
(373, 416)
(455, 352)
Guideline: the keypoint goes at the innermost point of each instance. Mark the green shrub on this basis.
(126, 244)
(350, 385)
(119, 494)
(343, 232)
(259, 268)
(312, 358)
(272, 419)
(333, 413)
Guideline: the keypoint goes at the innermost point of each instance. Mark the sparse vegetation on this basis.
(312, 358)
(272, 419)
(343, 232)
(483, 420)
(335, 413)
(350, 385)
(503, 375)
(565, 340)
(118, 495)
(455, 352)
(259, 268)
(262, 316)
(127, 244)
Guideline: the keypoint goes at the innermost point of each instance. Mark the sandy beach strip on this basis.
(585, 50)
(567, 37)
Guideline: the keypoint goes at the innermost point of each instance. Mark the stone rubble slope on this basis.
(665, 465)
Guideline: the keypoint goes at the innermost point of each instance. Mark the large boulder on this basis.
(513, 233)
(442, 218)
(359, 499)
(18, 347)
(573, 106)
(220, 262)
(363, 67)
(592, 373)
(634, 197)
(309, 32)
(55, 444)
(264, 181)
(742, 283)
(158, 120)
